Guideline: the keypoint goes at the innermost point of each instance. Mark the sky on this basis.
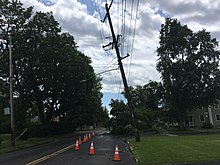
(138, 23)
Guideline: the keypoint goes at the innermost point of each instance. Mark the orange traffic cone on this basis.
(80, 141)
(89, 136)
(77, 146)
(116, 156)
(93, 134)
(84, 139)
(91, 151)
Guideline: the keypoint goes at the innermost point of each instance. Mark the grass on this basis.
(167, 149)
(5, 145)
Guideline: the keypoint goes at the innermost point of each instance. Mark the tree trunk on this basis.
(41, 111)
(180, 120)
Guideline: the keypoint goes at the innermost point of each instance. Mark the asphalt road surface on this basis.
(63, 153)
(104, 146)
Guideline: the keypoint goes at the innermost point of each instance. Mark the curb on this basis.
(131, 151)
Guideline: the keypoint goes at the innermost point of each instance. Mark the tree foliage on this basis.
(121, 120)
(147, 96)
(146, 101)
(189, 66)
(48, 69)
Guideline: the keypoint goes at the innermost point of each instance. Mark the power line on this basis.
(108, 65)
(130, 27)
(132, 45)
(135, 26)
(100, 31)
(118, 16)
(107, 54)
(123, 26)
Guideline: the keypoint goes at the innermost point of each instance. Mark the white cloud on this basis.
(199, 13)
(90, 33)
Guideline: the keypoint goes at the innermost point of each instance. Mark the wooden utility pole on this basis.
(115, 45)
(11, 95)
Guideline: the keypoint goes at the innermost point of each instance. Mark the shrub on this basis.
(158, 129)
(121, 130)
(207, 126)
(5, 128)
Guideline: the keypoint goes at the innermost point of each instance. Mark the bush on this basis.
(5, 128)
(121, 130)
(207, 126)
(158, 129)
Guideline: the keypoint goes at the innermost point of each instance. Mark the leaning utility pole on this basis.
(11, 95)
(115, 45)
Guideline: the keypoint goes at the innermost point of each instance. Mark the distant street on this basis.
(63, 153)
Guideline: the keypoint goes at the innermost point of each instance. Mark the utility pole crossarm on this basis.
(115, 43)
(106, 10)
(107, 45)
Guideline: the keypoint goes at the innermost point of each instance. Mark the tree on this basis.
(48, 68)
(148, 96)
(121, 120)
(13, 20)
(147, 102)
(189, 67)
(104, 117)
(4, 120)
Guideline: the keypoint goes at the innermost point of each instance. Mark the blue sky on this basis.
(109, 95)
(46, 2)
(90, 6)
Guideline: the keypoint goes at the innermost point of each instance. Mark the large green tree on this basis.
(48, 68)
(189, 65)
(13, 22)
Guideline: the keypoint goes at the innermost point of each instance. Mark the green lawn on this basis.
(5, 146)
(167, 149)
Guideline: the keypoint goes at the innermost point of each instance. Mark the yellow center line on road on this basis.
(50, 155)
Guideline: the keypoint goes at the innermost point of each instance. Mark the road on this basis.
(63, 153)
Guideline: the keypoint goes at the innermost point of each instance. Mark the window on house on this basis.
(216, 106)
(200, 108)
(217, 116)
(201, 118)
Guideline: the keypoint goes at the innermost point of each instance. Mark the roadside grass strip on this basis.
(170, 149)
(5, 146)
